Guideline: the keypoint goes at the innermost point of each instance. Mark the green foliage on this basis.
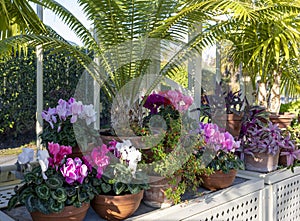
(18, 95)
(51, 195)
(18, 82)
(118, 180)
(226, 162)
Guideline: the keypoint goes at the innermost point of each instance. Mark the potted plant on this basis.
(70, 124)
(260, 146)
(287, 114)
(56, 189)
(217, 156)
(290, 154)
(118, 182)
(234, 103)
(168, 159)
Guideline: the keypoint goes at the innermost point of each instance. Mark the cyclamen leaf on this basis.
(12, 202)
(56, 206)
(59, 194)
(30, 177)
(105, 187)
(54, 182)
(43, 191)
(134, 189)
(119, 187)
(29, 203)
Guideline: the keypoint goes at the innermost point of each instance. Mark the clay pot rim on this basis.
(127, 195)
(283, 115)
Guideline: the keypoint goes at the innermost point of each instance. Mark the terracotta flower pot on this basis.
(116, 207)
(234, 124)
(283, 120)
(69, 213)
(155, 196)
(218, 180)
(261, 162)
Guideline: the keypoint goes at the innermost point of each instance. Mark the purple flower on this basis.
(154, 101)
(216, 138)
(49, 116)
(63, 109)
(74, 170)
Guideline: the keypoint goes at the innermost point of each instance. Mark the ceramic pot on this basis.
(69, 213)
(261, 162)
(283, 120)
(234, 124)
(116, 207)
(155, 196)
(218, 180)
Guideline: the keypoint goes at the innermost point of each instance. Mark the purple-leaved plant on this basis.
(262, 139)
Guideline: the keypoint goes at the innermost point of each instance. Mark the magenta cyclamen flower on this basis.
(74, 170)
(154, 101)
(98, 159)
(58, 153)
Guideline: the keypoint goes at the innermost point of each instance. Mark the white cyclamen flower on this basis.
(129, 154)
(88, 114)
(134, 156)
(123, 148)
(43, 156)
(26, 156)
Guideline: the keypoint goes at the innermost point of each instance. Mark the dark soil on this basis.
(17, 141)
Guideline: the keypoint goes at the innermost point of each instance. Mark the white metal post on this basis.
(195, 72)
(39, 85)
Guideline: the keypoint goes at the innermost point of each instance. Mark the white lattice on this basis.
(5, 195)
(247, 208)
(288, 199)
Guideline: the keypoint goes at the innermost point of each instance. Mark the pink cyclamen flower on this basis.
(98, 159)
(216, 138)
(58, 153)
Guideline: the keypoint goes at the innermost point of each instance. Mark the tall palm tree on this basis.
(266, 43)
(123, 29)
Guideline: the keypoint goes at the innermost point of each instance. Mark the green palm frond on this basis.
(18, 17)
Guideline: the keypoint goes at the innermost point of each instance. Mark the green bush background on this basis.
(18, 88)
(60, 77)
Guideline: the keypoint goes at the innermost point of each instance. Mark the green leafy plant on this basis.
(55, 183)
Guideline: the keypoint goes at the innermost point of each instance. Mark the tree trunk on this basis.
(274, 98)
